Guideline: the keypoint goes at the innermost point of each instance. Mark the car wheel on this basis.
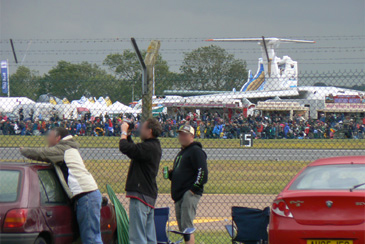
(40, 240)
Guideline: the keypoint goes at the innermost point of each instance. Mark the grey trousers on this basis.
(141, 223)
(186, 210)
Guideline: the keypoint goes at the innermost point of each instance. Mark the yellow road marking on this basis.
(201, 221)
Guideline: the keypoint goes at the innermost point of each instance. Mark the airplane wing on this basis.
(229, 97)
(235, 40)
(283, 40)
(295, 41)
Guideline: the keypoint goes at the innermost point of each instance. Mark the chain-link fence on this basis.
(257, 137)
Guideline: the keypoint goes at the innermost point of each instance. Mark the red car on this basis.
(323, 204)
(35, 209)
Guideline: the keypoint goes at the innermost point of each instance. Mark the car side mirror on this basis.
(104, 202)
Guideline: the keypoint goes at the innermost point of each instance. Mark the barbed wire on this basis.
(180, 60)
(236, 50)
(178, 65)
(168, 39)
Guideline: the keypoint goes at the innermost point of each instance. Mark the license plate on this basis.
(330, 242)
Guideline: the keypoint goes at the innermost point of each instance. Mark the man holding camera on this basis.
(141, 186)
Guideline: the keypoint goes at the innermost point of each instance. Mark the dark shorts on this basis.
(186, 210)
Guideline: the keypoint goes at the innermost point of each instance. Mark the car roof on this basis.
(22, 165)
(339, 160)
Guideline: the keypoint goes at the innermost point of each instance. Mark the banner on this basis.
(4, 76)
(345, 107)
(343, 99)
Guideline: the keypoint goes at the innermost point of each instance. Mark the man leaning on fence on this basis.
(141, 186)
(188, 176)
(79, 184)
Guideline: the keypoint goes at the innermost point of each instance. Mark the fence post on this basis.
(150, 60)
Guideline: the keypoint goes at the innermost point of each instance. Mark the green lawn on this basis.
(110, 142)
(225, 176)
(208, 237)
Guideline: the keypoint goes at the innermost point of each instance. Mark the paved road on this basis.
(213, 154)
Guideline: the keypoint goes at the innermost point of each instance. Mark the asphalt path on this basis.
(213, 154)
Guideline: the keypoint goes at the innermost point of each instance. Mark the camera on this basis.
(130, 122)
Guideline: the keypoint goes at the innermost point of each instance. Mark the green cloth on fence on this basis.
(122, 217)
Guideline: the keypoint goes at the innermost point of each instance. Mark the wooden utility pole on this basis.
(150, 60)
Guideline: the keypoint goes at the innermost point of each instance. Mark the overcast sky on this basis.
(198, 19)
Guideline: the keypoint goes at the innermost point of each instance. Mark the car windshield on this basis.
(9, 185)
(330, 177)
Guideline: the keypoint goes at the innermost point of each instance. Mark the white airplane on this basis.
(275, 78)
(273, 73)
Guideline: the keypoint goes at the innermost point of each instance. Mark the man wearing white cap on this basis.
(188, 176)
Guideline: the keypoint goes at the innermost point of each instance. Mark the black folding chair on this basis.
(249, 225)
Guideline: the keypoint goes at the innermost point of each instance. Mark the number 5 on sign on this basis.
(246, 140)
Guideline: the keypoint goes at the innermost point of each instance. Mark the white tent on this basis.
(7, 104)
(46, 110)
(3, 108)
(119, 107)
(100, 107)
(81, 103)
(67, 111)
(101, 101)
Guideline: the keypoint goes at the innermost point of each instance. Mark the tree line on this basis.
(205, 68)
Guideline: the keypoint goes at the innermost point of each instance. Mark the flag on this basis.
(108, 101)
(4, 76)
(52, 100)
(65, 101)
(91, 99)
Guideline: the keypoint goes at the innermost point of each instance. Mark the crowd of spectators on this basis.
(273, 126)
(207, 125)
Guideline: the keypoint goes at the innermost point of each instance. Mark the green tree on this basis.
(75, 80)
(127, 70)
(212, 68)
(25, 83)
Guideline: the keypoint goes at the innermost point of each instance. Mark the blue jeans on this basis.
(88, 217)
(141, 223)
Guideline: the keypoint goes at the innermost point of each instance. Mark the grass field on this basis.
(219, 236)
(205, 237)
(110, 142)
(225, 176)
